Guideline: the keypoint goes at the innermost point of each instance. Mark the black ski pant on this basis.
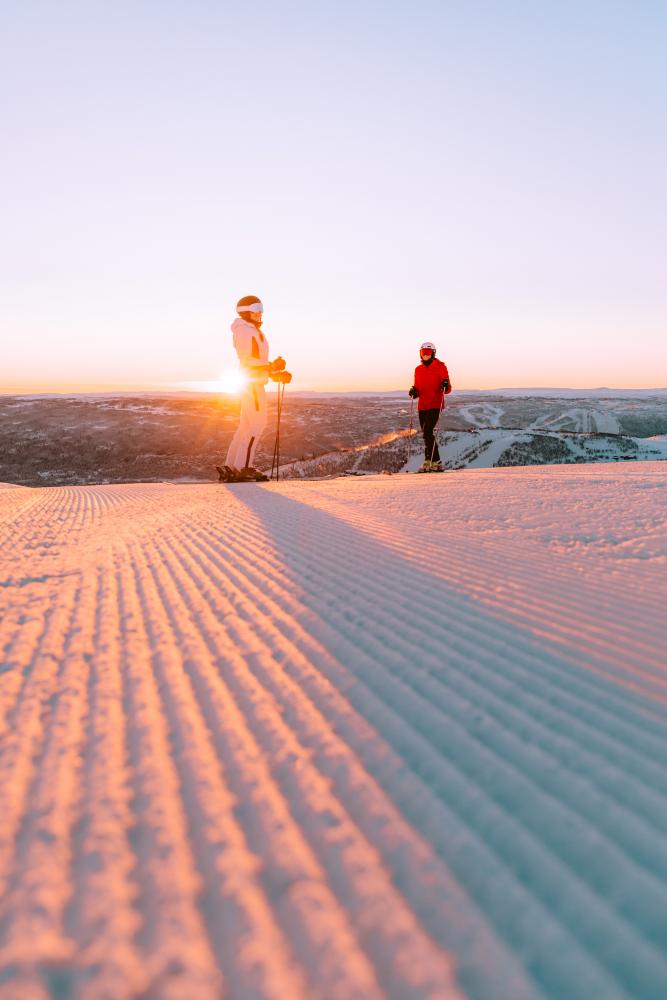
(427, 421)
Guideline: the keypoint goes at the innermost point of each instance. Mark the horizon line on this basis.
(170, 390)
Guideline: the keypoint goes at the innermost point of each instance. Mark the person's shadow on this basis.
(527, 772)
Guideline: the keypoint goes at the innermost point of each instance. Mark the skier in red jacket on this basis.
(431, 386)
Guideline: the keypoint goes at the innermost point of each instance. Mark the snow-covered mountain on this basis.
(396, 737)
(481, 449)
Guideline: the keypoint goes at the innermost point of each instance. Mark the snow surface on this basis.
(580, 419)
(397, 736)
(480, 414)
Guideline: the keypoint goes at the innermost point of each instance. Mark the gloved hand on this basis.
(282, 376)
(445, 385)
(278, 365)
(413, 392)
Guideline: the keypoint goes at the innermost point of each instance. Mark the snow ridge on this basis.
(256, 743)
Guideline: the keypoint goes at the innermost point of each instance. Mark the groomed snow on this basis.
(398, 736)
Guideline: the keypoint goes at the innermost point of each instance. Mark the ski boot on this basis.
(425, 467)
(436, 467)
(251, 475)
(226, 474)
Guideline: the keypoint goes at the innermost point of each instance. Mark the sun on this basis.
(231, 382)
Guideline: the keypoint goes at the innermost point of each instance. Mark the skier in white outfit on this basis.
(253, 352)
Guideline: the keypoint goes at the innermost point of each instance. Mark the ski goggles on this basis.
(426, 352)
(254, 307)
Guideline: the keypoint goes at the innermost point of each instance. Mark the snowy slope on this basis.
(481, 448)
(580, 419)
(486, 448)
(392, 737)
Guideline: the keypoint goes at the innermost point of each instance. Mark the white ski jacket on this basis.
(252, 348)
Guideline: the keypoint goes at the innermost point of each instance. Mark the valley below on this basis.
(79, 440)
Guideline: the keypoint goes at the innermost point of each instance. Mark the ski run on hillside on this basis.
(389, 737)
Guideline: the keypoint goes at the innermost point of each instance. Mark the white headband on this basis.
(254, 307)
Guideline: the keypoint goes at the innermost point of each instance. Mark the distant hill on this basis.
(483, 449)
(78, 439)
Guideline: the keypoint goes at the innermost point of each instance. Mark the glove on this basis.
(413, 392)
(278, 365)
(445, 385)
(284, 377)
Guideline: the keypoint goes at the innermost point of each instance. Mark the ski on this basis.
(227, 475)
(423, 472)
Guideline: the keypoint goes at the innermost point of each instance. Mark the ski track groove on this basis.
(172, 939)
(403, 696)
(290, 654)
(502, 740)
(541, 916)
(558, 719)
(23, 735)
(102, 913)
(217, 781)
(564, 614)
(35, 895)
(519, 722)
(503, 632)
(471, 642)
(188, 721)
(434, 680)
(304, 792)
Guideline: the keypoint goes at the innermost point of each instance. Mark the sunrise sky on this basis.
(486, 175)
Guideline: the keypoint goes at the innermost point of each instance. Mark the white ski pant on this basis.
(251, 425)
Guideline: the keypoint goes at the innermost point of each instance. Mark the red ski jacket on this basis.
(428, 379)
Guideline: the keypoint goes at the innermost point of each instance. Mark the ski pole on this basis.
(275, 463)
(275, 440)
(281, 394)
(282, 378)
(412, 411)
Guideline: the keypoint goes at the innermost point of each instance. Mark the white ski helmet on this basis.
(427, 346)
(249, 303)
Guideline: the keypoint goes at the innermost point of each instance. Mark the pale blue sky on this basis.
(487, 175)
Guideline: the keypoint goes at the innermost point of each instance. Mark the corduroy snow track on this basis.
(397, 737)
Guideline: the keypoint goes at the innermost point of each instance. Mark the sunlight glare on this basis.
(232, 382)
